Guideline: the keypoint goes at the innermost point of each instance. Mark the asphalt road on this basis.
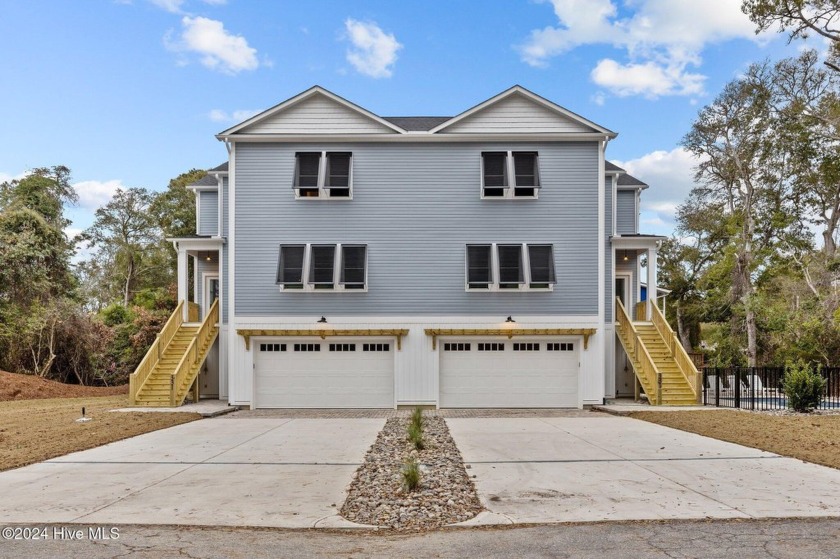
(729, 539)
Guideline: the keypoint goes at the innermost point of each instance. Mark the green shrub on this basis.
(415, 435)
(411, 474)
(803, 386)
(115, 314)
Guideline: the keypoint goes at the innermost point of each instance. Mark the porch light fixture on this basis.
(322, 320)
(208, 257)
(510, 319)
(626, 258)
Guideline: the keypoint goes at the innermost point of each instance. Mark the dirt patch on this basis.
(813, 438)
(35, 430)
(27, 387)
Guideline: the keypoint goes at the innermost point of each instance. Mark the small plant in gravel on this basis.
(415, 429)
(411, 474)
(417, 418)
(803, 386)
(415, 436)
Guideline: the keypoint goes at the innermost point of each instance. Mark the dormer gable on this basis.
(315, 111)
(518, 110)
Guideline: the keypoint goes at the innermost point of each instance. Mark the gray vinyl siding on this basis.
(609, 280)
(416, 207)
(225, 229)
(625, 212)
(208, 212)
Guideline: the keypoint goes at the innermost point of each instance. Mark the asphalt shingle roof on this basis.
(417, 123)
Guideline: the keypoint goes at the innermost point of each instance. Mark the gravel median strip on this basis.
(446, 493)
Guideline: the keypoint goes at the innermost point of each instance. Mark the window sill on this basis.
(519, 290)
(312, 290)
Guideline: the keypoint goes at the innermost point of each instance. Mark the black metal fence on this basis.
(760, 388)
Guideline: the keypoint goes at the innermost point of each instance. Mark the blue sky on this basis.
(131, 92)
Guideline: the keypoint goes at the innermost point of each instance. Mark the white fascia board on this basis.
(203, 188)
(632, 186)
(191, 243)
(519, 90)
(422, 137)
(636, 243)
(315, 90)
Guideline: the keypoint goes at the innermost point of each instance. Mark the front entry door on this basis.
(209, 377)
(624, 376)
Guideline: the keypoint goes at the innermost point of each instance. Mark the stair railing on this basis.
(190, 360)
(155, 352)
(643, 364)
(685, 364)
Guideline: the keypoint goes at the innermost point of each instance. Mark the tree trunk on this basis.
(128, 275)
(829, 246)
(682, 329)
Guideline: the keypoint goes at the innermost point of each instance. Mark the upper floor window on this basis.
(509, 174)
(316, 267)
(323, 174)
(521, 267)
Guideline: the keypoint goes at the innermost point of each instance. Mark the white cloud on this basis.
(6, 177)
(95, 194)
(217, 48)
(176, 6)
(373, 51)
(599, 98)
(649, 79)
(173, 6)
(670, 175)
(661, 38)
(219, 115)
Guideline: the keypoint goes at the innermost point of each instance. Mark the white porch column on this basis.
(183, 278)
(652, 287)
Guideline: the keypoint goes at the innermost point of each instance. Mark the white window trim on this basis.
(323, 192)
(337, 287)
(494, 270)
(510, 169)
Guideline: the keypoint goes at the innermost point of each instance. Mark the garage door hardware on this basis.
(321, 333)
(510, 333)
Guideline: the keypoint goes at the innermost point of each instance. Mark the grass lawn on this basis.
(35, 430)
(813, 438)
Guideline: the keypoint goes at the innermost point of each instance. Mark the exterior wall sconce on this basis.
(209, 258)
(510, 319)
(322, 320)
(626, 258)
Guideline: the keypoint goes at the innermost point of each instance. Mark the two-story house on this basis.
(374, 262)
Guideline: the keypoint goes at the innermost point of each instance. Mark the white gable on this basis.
(316, 114)
(516, 114)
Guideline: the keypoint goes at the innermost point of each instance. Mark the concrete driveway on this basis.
(602, 467)
(282, 472)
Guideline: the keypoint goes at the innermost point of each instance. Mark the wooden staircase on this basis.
(662, 366)
(169, 371)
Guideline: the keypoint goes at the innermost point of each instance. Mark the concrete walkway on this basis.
(617, 468)
(290, 473)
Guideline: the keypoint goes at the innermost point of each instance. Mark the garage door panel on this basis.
(315, 377)
(530, 377)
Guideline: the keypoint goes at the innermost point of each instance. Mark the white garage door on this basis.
(332, 373)
(509, 374)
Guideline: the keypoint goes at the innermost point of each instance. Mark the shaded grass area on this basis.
(35, 430)
(813, 438)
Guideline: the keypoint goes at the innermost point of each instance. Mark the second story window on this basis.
(323, 175)
(509, 174)
(510, 267)
(322, 267)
